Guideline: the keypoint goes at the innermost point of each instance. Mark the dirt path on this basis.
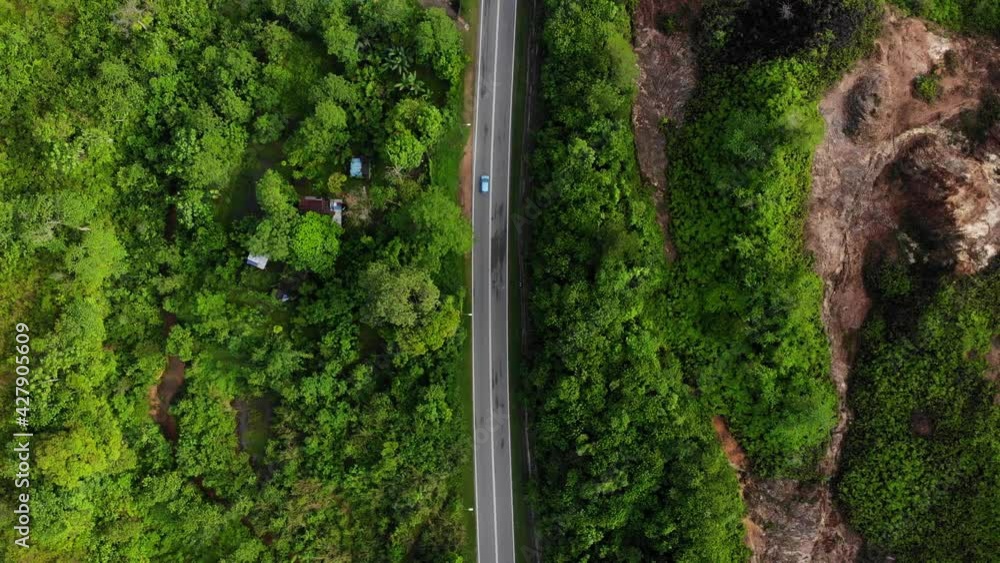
(172, 378)
(468, 114)
(667, 77)
(161, 394)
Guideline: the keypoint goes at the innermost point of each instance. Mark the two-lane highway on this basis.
(490, 387)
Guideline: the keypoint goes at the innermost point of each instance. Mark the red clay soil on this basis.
(734, 452)
(667, 77)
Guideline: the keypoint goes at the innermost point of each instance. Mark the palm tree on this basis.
(408, 83)
(396, 60)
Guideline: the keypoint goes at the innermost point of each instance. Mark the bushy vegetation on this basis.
(927, 86)
(976, 123)
(145, 149)
(921, 476)
(977, 16)
(628, 466)
(745, 304)
(830, 34)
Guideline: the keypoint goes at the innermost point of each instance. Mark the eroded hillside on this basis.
(907, 163)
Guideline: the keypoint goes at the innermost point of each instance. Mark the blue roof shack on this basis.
(357, 168)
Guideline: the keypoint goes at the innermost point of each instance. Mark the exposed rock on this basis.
(800, 523)
(886, 158)
(952, 202)
(667, 77)
(868, 110)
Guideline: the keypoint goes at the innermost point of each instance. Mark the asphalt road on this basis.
(490, 387)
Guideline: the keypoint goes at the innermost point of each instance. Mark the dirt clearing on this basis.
(171, 381)
(852, 212)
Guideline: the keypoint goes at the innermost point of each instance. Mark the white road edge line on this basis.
(506, 248)
(472, 277)
(489, 259)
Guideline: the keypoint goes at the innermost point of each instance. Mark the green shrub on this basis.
(978, 16)
(927, 86)
(977, 123)
(921, 474)
(667, 23)
(829, 33)
(894, 280)
(746, 304)
(951, 62)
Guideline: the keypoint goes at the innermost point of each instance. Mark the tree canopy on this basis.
(184, 405)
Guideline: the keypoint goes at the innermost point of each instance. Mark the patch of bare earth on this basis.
(993, 366)
(734, 452)
(164, 391)
(667, 77)
(886, 157)
(465, 168)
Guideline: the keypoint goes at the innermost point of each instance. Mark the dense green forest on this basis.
(629, 468)
(921, 475)
(636, 353)
(145, 149)
(188, 406)
(976, 16)
(744, 302)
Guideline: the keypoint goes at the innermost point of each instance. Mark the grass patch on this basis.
(445, 170)
(463, 390)
(446, 162)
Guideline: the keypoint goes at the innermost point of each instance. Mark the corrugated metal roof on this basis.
(257, 260)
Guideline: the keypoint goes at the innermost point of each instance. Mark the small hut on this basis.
(258, 261)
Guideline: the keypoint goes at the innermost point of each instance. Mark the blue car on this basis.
(484, 184)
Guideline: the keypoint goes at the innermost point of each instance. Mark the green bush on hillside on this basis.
(745, 302)
(976, 16)
(921, 473)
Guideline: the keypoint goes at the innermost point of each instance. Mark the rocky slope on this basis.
(889, 163)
